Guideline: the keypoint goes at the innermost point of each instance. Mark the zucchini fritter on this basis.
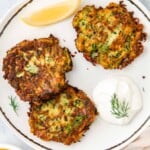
(109, 36)
(36, 69)
(65, 118)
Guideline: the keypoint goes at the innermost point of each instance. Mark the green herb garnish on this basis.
(78, 120)
(94, 47)
(94, 53)
(82, 22)
(33, 69)
(69, 128)
(119, 108)
(64, 99)
(13, 104)
(118, 55)
(49, 61)
(104, 48)
(78, 103)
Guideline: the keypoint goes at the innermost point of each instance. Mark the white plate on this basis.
(84, 75)
(8, 146)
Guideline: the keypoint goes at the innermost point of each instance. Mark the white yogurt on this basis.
(125, 90)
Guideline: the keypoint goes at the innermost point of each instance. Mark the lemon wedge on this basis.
(53, 13)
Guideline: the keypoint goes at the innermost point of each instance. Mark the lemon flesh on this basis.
(52, 13)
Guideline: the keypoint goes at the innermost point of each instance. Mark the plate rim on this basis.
(5, 22)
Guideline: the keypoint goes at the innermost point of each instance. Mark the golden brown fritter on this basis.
(108, 36)
(36, 69)
(65, 118)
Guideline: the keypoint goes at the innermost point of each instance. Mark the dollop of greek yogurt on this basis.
(118, 99)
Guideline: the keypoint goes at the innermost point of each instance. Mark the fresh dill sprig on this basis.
(13, 104)
(119, 108)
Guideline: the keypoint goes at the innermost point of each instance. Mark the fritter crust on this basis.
(65, 118)
(36, 69)
(108, 36)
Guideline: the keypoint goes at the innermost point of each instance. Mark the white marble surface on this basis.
(6, 135)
